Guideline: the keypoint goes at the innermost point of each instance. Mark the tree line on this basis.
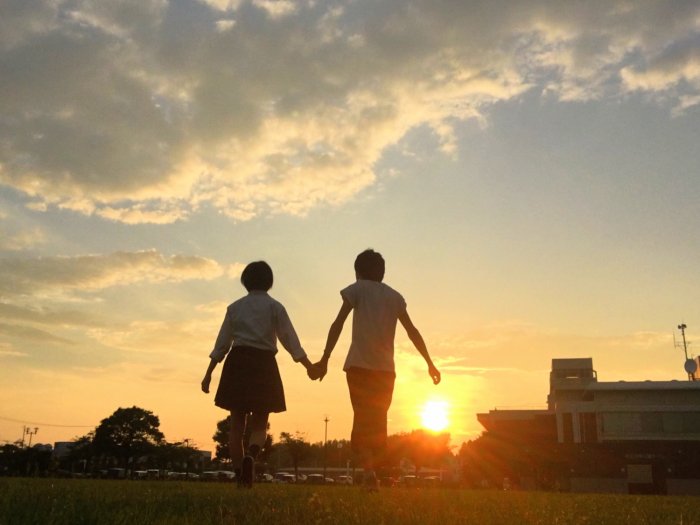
(130, 438)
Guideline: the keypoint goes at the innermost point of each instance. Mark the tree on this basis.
(220, 437)
(297, 448)
(127, 433)
(174, 456)
(12, 460)
(426, 449)
(421, 448)
(80, 453)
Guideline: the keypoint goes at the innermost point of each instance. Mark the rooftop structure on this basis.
(610, 435)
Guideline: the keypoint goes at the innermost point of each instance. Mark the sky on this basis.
(529, 170)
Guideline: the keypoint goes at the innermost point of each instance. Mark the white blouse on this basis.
(257, 320)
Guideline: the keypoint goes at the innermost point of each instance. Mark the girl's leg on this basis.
(258, 431)
(235, 442)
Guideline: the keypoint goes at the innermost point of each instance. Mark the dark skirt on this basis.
(250, 382)
(370, 394)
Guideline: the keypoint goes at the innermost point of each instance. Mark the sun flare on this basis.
(434, 415)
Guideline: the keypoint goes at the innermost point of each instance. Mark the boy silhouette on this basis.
(369, 365)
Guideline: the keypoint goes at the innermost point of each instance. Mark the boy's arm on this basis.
(419, 343)
(333, 336)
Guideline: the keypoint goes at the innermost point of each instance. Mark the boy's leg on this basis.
(370, 394)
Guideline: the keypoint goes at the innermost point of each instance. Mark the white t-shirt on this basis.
(257, 320)
(376, 309)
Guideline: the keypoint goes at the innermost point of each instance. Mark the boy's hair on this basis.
(257, 276)
(370, 265)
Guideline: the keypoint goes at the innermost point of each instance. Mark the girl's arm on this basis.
(419, 343)
(288, 337)
(333, 335)
(207, 375)
(222, 346)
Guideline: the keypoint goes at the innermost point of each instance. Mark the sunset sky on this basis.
(529, 170)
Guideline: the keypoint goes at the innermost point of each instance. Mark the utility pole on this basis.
(30, 433)
(325, 447)
(186, 441)
(691, 365)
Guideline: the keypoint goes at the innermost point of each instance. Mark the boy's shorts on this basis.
(370, 394)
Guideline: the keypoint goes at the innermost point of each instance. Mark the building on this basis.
(637, 436)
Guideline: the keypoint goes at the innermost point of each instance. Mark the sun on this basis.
(434, 415)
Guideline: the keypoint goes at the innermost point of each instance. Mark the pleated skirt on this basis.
(250, 382)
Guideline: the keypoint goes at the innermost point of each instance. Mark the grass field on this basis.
(70, 502)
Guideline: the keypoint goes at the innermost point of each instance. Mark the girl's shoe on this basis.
(247, 472)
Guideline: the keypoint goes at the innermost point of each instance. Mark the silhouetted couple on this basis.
(251, 387)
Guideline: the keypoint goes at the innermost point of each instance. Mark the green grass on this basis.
(63, 501)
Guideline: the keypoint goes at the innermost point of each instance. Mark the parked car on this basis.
(115, 473)
(344, 480)
(431, 481)
(266, 478)
(285, 477)
(209, 475)
(409, 481)
(226, 475)
(388, 482)
(315, 479)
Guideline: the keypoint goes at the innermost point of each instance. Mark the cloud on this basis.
(49, 316)
(29, 334)
(6, 350)
(148, 111)
(17, 237)
(28, 276)
(20, 240)
(194, 336)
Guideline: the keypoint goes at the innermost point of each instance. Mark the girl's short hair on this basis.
(257, 276)
(370, 265)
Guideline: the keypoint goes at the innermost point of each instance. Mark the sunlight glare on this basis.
(434, 415)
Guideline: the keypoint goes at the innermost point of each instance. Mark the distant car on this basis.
(285, 477)
(388, 482)
(140, 474)
(226, 475)
(330, 480)
(409, 481)
(116, 473)
(315, 479)
(209, 475)
(344, 480)
(266, 478)
(431, 481)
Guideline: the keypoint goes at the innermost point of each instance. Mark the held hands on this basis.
(318, 370)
